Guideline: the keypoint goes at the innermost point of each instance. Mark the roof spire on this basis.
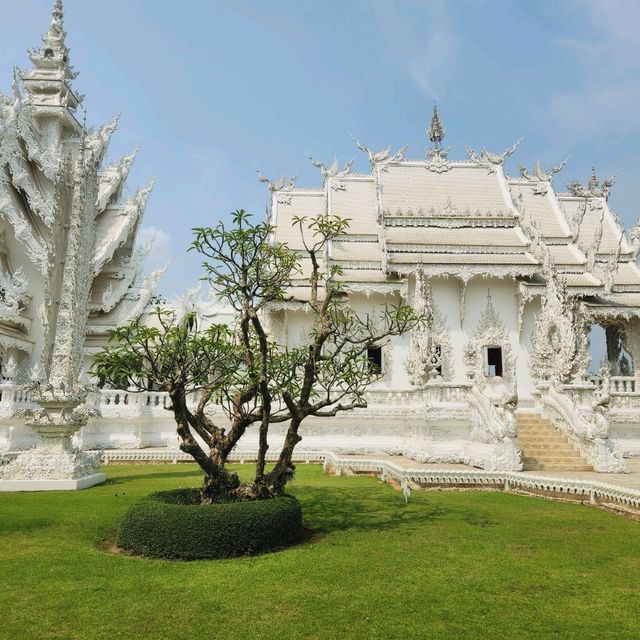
(436, 130)
(55, 36)
(594, 188)
(58, 13)
(53, 54)
(47, 83)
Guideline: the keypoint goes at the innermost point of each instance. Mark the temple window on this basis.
(374, 355)
(494, 362)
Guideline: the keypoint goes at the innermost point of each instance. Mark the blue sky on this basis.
(213, 90)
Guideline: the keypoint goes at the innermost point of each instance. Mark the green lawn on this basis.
(447, 565)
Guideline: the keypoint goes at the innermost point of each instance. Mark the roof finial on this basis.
(594, 188)
(436, 130)
(58, 11)
(55, 34)
(53, 53)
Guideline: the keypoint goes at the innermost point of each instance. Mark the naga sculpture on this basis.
(332, 171)
(539, 174)
(493, 158)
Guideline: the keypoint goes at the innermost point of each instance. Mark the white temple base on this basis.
(72, 484)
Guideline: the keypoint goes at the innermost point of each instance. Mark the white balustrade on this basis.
(623, 384)
(618, 384)
(625, 394)
(13, 398)
(129, 403)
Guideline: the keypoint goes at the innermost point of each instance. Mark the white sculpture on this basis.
(79, 235)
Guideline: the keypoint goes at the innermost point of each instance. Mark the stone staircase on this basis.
(544, 448)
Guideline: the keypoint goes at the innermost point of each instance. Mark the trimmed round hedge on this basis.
(173, 524)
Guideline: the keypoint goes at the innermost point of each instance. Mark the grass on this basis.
(446, 565)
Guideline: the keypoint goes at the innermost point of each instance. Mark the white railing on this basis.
(618, 384)
(13, 398)
(446, 392)
(108, 402)
(582, 416)
(546, 483)
(111, 402)
(623, 384)
(624, 392)
(388, 397)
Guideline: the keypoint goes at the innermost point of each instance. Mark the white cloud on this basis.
(423, 41)
(429, 69)
(605, 95)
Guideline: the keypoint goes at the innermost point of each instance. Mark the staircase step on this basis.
(545, 448)
(537, 427)
(541, 439)
(541, 425)
(537, 459)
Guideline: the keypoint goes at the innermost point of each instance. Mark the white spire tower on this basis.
(79, 235)
(48, 83)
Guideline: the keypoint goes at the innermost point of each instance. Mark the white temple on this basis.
(68, 268)
(510, 273)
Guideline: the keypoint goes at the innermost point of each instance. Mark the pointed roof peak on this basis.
(436, 130)
(56, 34)
(57, 16)
(53, 54)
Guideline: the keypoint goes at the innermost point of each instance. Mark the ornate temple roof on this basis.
(463, 218)
(53, 184)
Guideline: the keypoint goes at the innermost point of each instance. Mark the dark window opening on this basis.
(435, 362)
(374, 356)
(494, 362)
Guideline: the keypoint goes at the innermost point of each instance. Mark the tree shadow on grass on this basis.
(479, 519)
(327, 510)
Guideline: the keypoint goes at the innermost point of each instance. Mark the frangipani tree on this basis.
(242, 369)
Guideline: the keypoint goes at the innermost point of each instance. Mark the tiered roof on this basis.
(52, 174)
(465, 218)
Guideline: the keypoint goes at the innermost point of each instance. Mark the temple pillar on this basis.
(614, 348)
(632, 343)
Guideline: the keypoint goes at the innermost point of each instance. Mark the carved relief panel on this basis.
(488, 356)
(431, 354)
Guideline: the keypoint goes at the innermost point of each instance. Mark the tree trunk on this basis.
(219, 484)
(284, 470)
(222, 486)
(263, 447)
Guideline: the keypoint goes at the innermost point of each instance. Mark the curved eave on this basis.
(130, 306)
(108, 290)
(115, 225)
(112, 179)
(13, 339)
(23, 231)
